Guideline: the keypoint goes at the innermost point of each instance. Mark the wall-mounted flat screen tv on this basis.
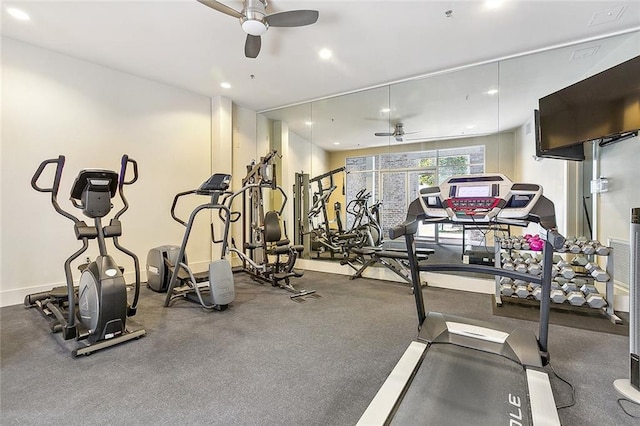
(572, 152)
(602, 106)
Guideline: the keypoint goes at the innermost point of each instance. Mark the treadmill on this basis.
(462, 371)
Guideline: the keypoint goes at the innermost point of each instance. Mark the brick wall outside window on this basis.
(395, 178)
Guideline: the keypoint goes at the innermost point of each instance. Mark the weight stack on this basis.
(631, 388)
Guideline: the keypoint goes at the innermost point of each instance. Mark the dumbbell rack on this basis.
(607, 310)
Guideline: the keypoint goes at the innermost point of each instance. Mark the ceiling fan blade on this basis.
(221, 8)
(252, 46)
(384, 134)
(292, 18)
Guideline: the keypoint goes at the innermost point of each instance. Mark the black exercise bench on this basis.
(395, 260)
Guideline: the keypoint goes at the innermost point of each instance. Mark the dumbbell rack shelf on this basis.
(606, 311)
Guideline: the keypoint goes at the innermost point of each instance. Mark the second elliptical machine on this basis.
(167, 266)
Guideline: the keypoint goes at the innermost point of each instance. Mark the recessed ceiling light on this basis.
(385, 110)
(492, 92)
(608, 15)
(325, 53)
(225, 85)
(471, 126)
(18, 14)
(308, 123)
(336, 143)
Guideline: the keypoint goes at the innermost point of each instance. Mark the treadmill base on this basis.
(624, 388)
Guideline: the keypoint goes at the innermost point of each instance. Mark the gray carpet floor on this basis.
(267, 360)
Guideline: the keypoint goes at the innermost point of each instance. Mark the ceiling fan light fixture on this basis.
(255, 27)
(255, 21)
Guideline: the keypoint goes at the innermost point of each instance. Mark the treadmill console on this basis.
(480, 199)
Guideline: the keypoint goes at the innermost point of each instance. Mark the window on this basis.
(396, 178)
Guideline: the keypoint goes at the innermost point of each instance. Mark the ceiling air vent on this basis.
(608, 15)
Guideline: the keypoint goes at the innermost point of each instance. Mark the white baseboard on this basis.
(452, 282)
(16, 296)
(455, 282)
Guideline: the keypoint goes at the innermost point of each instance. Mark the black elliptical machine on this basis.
(96, 311)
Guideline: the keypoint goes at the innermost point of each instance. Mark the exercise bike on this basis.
(96, 310)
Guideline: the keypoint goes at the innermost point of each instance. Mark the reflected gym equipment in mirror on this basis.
(392, 140)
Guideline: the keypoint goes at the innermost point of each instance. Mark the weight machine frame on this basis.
(255, 250)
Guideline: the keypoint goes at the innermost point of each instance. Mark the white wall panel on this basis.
(54, 104)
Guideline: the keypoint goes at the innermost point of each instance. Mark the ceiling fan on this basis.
(398, 132)
(255, 21)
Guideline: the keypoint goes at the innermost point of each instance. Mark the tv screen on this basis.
(573, 152)
(604, 105)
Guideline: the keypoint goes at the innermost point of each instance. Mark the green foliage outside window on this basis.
(447, 167)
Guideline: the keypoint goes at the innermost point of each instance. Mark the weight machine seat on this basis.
(272, 231)
(284, 275)
(273, 235)
(298, 247)
(279, 250)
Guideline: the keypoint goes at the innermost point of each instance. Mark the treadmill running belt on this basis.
(457, 386)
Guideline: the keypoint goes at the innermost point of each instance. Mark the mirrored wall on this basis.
(355, 161)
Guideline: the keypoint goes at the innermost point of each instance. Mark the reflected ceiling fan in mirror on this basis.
(255, 21)
(398, 133)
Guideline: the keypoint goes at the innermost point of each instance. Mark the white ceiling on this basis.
(188, 45)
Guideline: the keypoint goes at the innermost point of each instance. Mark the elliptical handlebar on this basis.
(56, 181)
(56, 185)
(123, 170)
(175, 202)
(232, 216)
(121, 182)
(358, 205)
(124, 162)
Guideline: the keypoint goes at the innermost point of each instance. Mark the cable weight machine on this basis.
(264, 253)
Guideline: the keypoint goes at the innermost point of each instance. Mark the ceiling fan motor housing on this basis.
(253, 20)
